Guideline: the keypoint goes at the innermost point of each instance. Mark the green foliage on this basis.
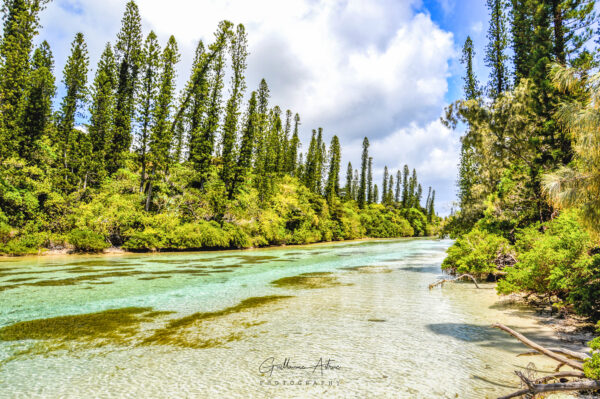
(476, 253)
(385, 222)
(554, 260)
(591, 367)
(85, 240)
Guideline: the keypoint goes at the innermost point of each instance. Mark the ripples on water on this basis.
(190, 325)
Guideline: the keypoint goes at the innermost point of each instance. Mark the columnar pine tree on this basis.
(195, 99)
(384, 192)
(405, 197)
(101, 111)
(292, 157)
(398, 195)
(75, 80)
(319, 162)
(206, 141)
(375, 194)
(471, 86)
(263, 109)
(495, 52)
(363, 174)
(431, 210)
(128, 54)
(147, 93)
(261, 145)
(21, 23)
(370, 181)
(419, 196)
(285, 143)
(179, 139)
(160, 136)
(333, 179)
(348, 189)
(37, 101)
(355, 185)
(244, 161)
(391, 189)
(412, 190)
(311, 163)
(521, 37)
(239, 52)
(197, 92)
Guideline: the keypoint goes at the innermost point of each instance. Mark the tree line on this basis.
(131, 117)
(528, 175)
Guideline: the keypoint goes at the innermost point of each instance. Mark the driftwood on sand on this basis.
(453, 280)
(564, 357)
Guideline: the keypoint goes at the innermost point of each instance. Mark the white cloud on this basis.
(357, 68)
(477, 27)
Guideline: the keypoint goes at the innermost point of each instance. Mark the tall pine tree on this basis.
(495, 52)
(363, 174)
(239, 52)
(370, 182)
(244, 161)
(76, 94)
(21, 23)
(333, 178)
(348, 189)
(160, 136)
(37, 101)
(471, 86)
(147, 93)
(128, 52)
(102, 110)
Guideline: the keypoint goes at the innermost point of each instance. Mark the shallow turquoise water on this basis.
(390, 335)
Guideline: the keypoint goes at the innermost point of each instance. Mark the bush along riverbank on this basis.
(114, 216)
(528, 178)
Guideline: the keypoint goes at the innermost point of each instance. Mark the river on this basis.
(358, 322)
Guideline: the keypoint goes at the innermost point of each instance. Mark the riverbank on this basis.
(367, 307)
(117, 251)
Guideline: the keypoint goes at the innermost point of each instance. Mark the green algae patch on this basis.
(19, 280)
(193, 331)
(369, 269)
(43, 337)
(152, 278)
(249, 259)
(87, 278)
(114, 325)
(308, 281)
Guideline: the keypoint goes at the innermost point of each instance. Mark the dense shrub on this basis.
(85, 240)
(184, 217)
(555, 261)
(476, 253)
(591, 367)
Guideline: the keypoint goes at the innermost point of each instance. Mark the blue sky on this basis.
(378, 68)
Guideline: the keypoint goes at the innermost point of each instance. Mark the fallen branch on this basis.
(558, 387)
(562, 374)
(453, 280)
(559, 358)
(568, 353)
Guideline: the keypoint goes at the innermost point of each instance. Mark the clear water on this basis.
(389, 334)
